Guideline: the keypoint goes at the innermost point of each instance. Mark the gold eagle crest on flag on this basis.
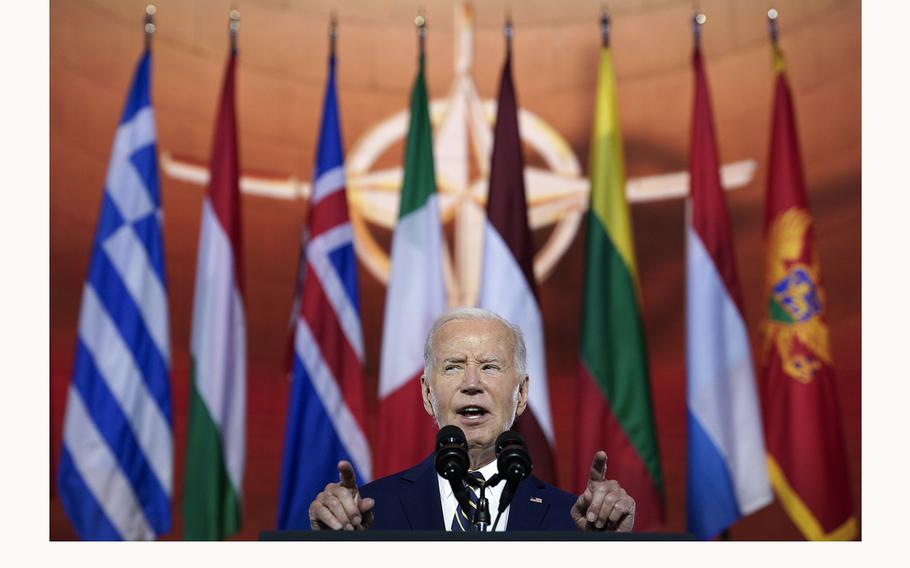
(795, 297)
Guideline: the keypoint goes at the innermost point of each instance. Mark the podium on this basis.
(423, 536)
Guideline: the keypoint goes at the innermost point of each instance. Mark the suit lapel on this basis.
(529, 506)
(421, 501)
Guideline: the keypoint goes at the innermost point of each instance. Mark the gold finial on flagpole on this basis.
(777, 57)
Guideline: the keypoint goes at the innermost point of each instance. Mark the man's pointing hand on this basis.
(339, 506)
(603, 505)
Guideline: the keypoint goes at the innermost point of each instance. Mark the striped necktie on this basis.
(461, 522)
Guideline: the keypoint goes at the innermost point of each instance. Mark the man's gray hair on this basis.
(476, 314)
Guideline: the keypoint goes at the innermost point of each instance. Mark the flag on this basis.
(507, 285)
(415, 298)
(614, 410)
(806, 456)
(327, 410)
(217, 409)
(727, 477)
(115, 474)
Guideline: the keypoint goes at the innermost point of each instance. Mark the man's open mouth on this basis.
(472, 412)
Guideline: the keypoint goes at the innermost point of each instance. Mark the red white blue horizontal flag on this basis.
(727, 477)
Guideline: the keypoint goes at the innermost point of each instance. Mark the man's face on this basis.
(473, 382)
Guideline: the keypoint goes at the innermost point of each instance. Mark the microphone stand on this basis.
(482, 514)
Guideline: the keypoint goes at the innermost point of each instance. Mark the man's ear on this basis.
(522, 396)
(425, 393)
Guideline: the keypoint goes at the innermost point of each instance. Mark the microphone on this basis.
(451, 453)
(513, 462)
(452, 461)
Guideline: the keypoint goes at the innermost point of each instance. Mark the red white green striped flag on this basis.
(415, 298)
(614, 392)
(213, 482)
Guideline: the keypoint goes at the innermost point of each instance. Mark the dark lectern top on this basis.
(347, 536)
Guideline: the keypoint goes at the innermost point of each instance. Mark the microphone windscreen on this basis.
(450, 435)
(451, 453)
(512, 457)
(509, 438)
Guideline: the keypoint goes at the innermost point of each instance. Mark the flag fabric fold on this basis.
(115, 474)
(213, 484)
(507, 284)
(727, 477)
(806, 456)
(614, 409)
(327, 409)
(416, 296)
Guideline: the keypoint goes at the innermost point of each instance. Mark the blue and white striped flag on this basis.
(327, 411)
(116, 468)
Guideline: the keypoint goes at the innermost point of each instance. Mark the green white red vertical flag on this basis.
(415, 298)
(212, 492)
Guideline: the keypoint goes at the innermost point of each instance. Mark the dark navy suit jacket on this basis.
(410, 500)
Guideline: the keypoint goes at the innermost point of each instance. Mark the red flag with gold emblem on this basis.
(806, 458)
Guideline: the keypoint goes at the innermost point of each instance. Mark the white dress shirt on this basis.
(450, 503)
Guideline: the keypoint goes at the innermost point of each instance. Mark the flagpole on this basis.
(698, 20)
(149, 25)
(604, 28)
(333, 33)
(508, 32)
(421, 22)
(234, 28)
(772, 26)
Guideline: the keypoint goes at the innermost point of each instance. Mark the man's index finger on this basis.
(346, 474)
(599, 467)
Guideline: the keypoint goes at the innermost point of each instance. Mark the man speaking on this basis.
(474, 378)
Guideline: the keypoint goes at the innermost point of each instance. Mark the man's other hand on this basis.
(604, 505)
(339, 506)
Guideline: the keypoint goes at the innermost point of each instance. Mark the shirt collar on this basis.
(488, 471)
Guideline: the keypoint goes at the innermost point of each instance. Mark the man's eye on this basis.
(490, 367)
(448, 368)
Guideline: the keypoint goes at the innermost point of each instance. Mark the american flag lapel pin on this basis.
(536, 500)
